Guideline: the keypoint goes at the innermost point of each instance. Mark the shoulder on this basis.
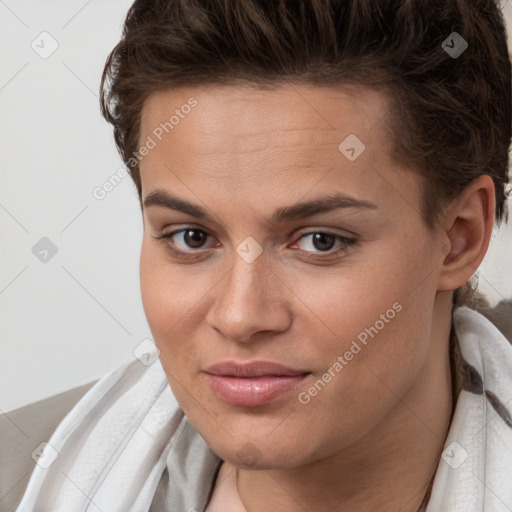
(21, 432)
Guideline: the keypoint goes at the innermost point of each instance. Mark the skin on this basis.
(372, 438)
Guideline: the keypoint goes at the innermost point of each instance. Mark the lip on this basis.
(252, 384)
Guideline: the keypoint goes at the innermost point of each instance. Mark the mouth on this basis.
(253, 384)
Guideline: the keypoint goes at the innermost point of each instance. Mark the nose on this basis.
(250, 300)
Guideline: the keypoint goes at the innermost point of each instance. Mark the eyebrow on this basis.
(336, 201)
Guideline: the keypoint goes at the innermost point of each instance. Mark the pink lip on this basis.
(253, 384)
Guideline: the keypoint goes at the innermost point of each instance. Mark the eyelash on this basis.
(346, 241)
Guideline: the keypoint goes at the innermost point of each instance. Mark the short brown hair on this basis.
(450, 119)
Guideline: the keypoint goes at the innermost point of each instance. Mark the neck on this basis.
(389, 469)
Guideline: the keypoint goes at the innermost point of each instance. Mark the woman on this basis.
(319, 182)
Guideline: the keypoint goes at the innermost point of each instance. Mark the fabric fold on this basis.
(111, 448)
(475, 470)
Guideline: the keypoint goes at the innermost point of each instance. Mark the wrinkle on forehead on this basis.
(229, 120)
(287, 108)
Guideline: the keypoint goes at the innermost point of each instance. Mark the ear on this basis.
(468, 224)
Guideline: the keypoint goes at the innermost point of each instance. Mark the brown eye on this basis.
(322, 242)
(194, 238)
(187, 243)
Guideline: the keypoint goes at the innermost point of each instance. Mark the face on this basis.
(340, 293)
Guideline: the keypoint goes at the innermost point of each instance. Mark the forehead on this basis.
(319, 113)
(277, 142)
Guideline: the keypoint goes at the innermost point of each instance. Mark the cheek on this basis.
(381, 358)
(341, 302)
(378, 313)
(174, 300)
(167, 292)
(154, 291)
(165, 300)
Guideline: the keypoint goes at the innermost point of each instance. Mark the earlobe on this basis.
(469, 222)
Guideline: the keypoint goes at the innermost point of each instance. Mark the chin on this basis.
(265, 454)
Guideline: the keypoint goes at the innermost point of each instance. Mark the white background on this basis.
(78, 316)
